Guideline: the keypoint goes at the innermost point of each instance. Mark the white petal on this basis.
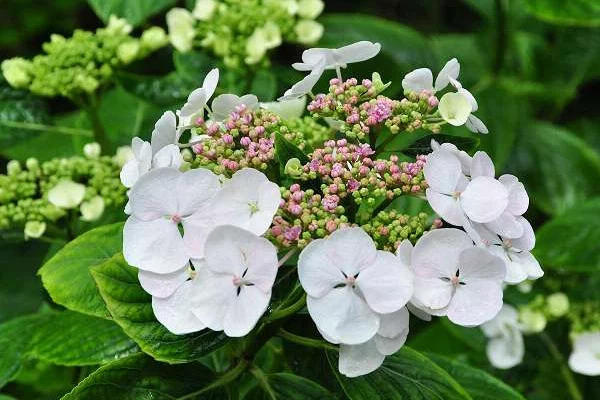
(454, 108)
(446, 207)
(584, 359)
(437, 253)
(484, 199)
(527, 240)
(506, 225)
(530, 265)
(154, 246)
(418, 80)
(154, 195)
(517, 195)
(245, 311)
(212, 297)
(417, 312)
(195, 104)
(167, 157)
(470, 98)
(165, 131)
(174, 311)
(393, 331)
(482, 165)
(450, 70)
(195, 188)
(508, 316)
(305, 86)
(431, 293)
(317, 271)
(357, 52)
(506, 351)
(223, 105)
(195, 231)
(476, 125)
(358, 360)
(210, 82)
(386, 284)
(163, 285)
(515, 272)
(475, 303)
(342, 315)
(478, 264)
(404, 251)
(442, 171)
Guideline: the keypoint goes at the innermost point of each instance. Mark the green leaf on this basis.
(135, 11)
(468, 49)
(472, 337)
(264, 85)
(571, 240)
(131, 308)
(19, 110)
(558, 169)
(15, 337)
(194, 65)
(402, 48)
(404, 375)
(423, 145)
(284, 386)
(139, 377)
(569, 13)
(286, 150)
(67, 278)
(70, 338)
(166, 91)
(479, 384)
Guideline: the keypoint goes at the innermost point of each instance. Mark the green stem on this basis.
(285, 312)
(564, 369)
(501, 35)
(47, 128)
(223, 380)
(99, 133)
(259, 375)
(304, 341)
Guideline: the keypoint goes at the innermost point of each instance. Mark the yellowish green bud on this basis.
(532, 321)
(454, 108)
(13, 167)
(310, 9)
(92, 150)
(16, 71)
(117, 26)
(308, 31)
(66, 194)
(93, 209)
(124, 154)
(293, 168)
(557, 304)
(154, 38)
(205, 9)
(525, 286)
(128, 51)
(180, 23)
(256, 46)
(32, 164)
(87, 83)
(34, 229)
(272, 35)
(378, 83)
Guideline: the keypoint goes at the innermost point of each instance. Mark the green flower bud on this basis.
(128, 51)
(93, 209)
(32, 164)
(66, 194)
(204, 9)
(124, 154)
(308, 31)
(310, 9)
(16, 71)
(92, 150)
(378, 83)
(34, 229)
(532, 321)
(181, 25)
(293, 168)
(117, 26)
(256, 47)
(557, 304)
(154, 38)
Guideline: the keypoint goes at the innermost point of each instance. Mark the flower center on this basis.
(456, 195)
(507, 243)
(253, 205)
(455, 280)
(176, 218)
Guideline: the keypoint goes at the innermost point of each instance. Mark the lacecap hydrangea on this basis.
(215, 218)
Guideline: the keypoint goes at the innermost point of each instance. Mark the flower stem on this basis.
(259, 375)
(284, 312)
(564, 369)
(223, 380)
(304, 341)
(287, 256)
(47, 128)
(99, 133)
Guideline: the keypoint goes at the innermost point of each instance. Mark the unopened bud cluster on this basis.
(389, 228)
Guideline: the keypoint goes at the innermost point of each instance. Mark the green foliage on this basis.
(131, 307)
(72, 264)
(570, 13)
(571, 240)
(284, 386)
(140, 377)
(134, 11)
(404, 375)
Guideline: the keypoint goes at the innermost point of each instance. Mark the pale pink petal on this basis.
(431, 293)
(174, 312)
(245, 311)
(194, 189)
(418, 80)
(476, 302)
(154, 195)
(506, 225)
(517, 195)
(478, 264)
(317, 270)
(163, 285)
(165, 131)
(211, 297)
(404, 251)
(436, 254)
(360, 359)
(482, 165)
(527, 240)
(484, 199)
(442, 171)
(449, 71)
(445, 206)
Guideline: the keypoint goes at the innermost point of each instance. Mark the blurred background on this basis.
(533, 66)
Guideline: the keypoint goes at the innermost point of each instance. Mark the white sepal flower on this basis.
(452, 277)
(585, 358)
(465, 159)
(197, 101)
(165, 132)
(421, 79)
(308, 31)
(143, 161)
(453, 197)
(454, 108)
(286, 109)
(160, 201)
(34, 229)
(232, 290)
(181, 25)
(349, 283)
(66, 194)
(337, 58)
(248, 200)
(92, 150)
(472, 123)
(310, 9)
(505, 348)
(204, 9)
(164, 285)
(305, 86)
(361, 359)
(93, 209)
(404, 252)
(174, 312)
(225, 104)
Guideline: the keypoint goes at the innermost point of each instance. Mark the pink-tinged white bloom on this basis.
(165, 132)
(174, 311)
(421, 79)
(465, 159)
(337, 58)
(472, 123)
(585, 358)
(404, 254)
(225, 104)
(248, 200)
(452, 277)
(361, 359)
(505, 348)
(516, 253)
(164, 285)
(145, 160)
(350, 283)
(197, 100)
(161, 201)
(456, 198)
(232, 290)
